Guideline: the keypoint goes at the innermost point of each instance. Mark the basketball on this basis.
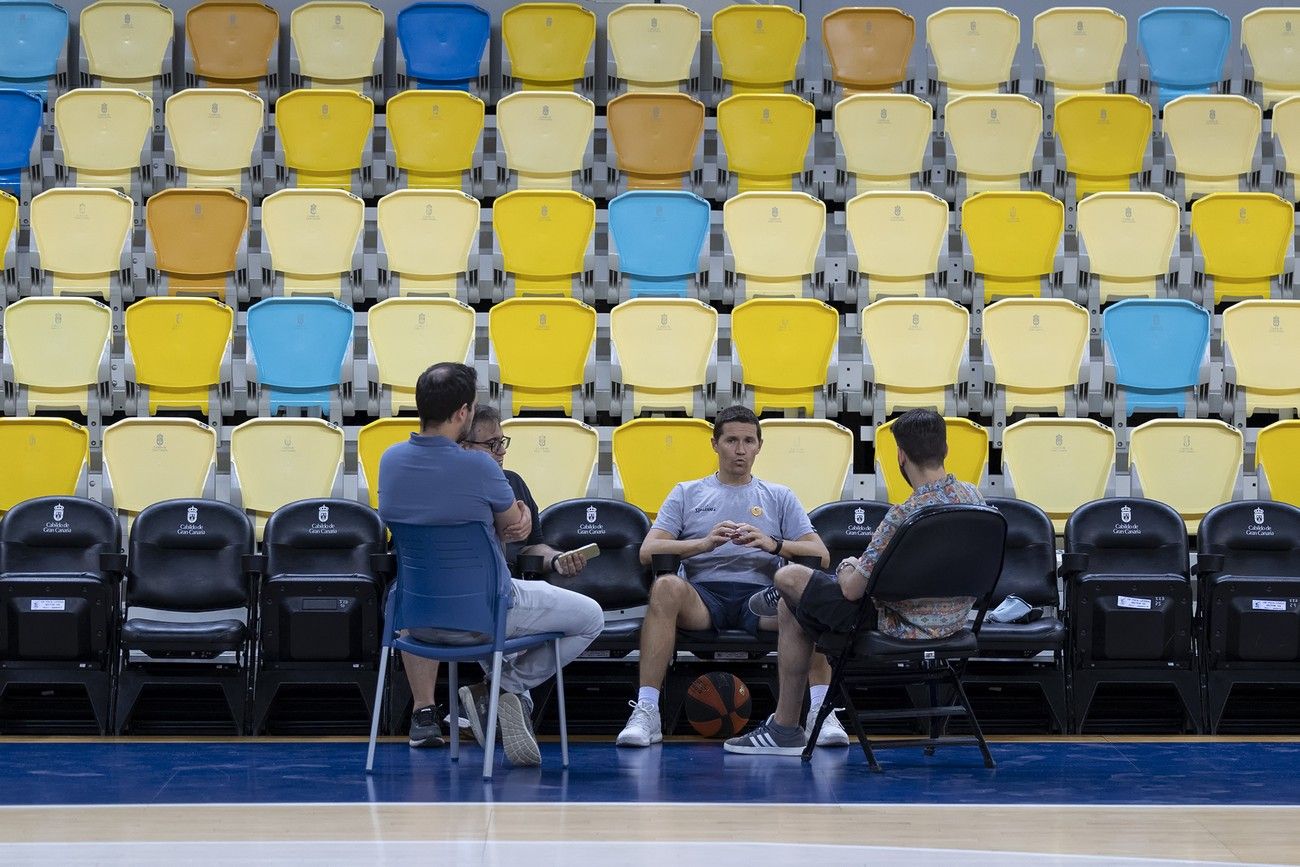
(717, 704)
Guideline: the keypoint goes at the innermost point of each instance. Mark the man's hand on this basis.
(570, 564)
(847, 564)
(518, 530)
(750, 536)
(721, 534)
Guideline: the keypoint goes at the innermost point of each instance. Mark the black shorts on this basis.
(728, 605)
(823, 608)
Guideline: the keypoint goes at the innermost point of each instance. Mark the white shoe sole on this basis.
(520, 745)
(635, 741)
(763, 751)
(471, 710)
(832, 738)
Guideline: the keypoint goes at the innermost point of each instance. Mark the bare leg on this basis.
(673, 603)
(422, 675)
(820, 672)
(794, 650)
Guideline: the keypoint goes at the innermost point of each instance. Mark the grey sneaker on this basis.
(474, 707)
(425, 731)
(764, 603)
(767, 741)
(516, 728)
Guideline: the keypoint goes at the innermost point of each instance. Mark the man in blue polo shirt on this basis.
(430, 479)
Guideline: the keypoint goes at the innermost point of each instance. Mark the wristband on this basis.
(780, 543)
(551, 568)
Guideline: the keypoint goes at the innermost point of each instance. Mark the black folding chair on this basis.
(938, 551)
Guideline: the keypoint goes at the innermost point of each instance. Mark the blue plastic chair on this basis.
(454, 577)
(443, 43)
(1157, 346)
(33, 38)
(20, 122)
(299, 345)
(1185, 47)
(658, 237)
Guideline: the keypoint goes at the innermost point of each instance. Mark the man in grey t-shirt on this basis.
(733, 532)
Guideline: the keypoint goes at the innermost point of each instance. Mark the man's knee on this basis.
(593, 617)
(791, 580)
(669, 592)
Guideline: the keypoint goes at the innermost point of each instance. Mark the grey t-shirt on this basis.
(693, 508)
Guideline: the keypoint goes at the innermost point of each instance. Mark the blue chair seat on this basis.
(443, 43)
(658, 235)
(448, 652)
(1185, 47)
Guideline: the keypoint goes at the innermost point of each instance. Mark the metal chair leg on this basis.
(490, 733)
(453, 708)
(974, 723)
(564, 721)
(932, 688)
(374, 715)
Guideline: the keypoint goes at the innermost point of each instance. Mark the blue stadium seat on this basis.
(299, 346)
(33, 42)
(1158, 347)
(658, 237)
(443, 44)
(1185, 47)
(21, 124)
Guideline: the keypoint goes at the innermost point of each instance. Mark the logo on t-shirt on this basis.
(756, 511)
(699, 509)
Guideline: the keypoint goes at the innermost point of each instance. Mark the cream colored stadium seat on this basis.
(1058, 464)
(968, 457)
(882, 141)
(774, 240)
(812, 457)
(311, 243)
(1262, 357)
(428, 244)
(1035, 355)
(1128, 243)
(913, 353)
(994, 141)
(276, 461)
(1212, 143)
(406, 336)
(1191, 464)
(896, 243)
(148, 460)
(556, 456)
(665, 352)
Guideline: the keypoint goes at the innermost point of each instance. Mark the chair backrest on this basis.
(231, 41)
(55, 346)
(846, 527)
(1029, 566)
(427, 262)
(409, 334)
(80, 235)
(766, 138)
(1129, 238)
(868, 48)
(658, 236)
(1191, 464)
(300, 345)
(785, 346)
(57, 534)
(664, 347)
(105, 134)
(1036, 346)
(542, 345)
(1277, 461)
(548, 44)
(774, 238)
(1013, 238)
(443, 43)
(188, 555)
(1268, 36)
(655, 137)
(1245, 239)
(1080, 48)
(43, 457)
(214, 135)
(1128, 536)
(372, 441)
(651, 455)
(994, 138)
(196, 236)
(973, 47)
(758, 46)
(1058, 464)
(546, 137)
(654, 45)
(1258, 537)
(916, 346)
(449, 577)
(615, 579)
(33, 40)
(1156, 344)
(1104, 137)
(898, 238)
(282, 460)
(177, 346)
(23, 113)
(810, 456)
(1185, 47)
(149, 460)
(312, 236)
(543, 236)
(322, 537)
(885, 139)
(1258, 336)
(325, 133)
(434, 136)
(336, 42)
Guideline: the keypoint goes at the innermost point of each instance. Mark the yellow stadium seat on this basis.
(197, 243)
(82, 242)
(785, 348)
(214, 139)
(548, 45)
(757, 48)
(547, 139)
(1262, 352)
(1211, 143)
(177, 353)
(1277, 462)
(774, 242)
(898, 240)
(968, 457)
(1013, 239)
(556, 456)
(665, 350)
(428, 241)
(1080, 48)
(276, 461)
(372, 441)
(435, 140)
(323, 139)
(406, 336)
(103, 138)
(1127, 244)
(913, 349)
(1268, 35)
(1035, 348)
(810, 456)
(126, 44)
(651, 455)
(56, 353)
(881, 141)
(541, 347)
(1104, 139)
(1245, 239)
(972, 47)
(1191, 464)
(867, 49)
(993, 140)
(337, 44)
(1058, 464)
(233, 43)
(44, 457)
(311, 243)
(543, 237)
(654, 47)
(148, 460)
(766, 139)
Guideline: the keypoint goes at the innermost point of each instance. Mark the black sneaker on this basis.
(764, 603)
(425, 731)
(474, 707)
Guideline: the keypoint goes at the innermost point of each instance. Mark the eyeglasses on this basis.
(496, 444)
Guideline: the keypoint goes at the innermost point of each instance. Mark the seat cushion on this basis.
(620, 629)
(1046, 633)
(209, 636)
(878, 644)
(726, 639)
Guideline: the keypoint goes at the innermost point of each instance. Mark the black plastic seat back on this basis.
(616, 579)
(321, 598)
(57, 534)
(845, 527)
(187, 555)
(1128, 536)
(1029, 566)
(1253, 538)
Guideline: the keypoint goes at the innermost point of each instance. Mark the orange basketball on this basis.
(717, 704)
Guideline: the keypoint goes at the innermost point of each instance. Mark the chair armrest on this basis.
(113, 564)
(1208, 564)
(531, 565)
(809, 560)
(1073, 563)
(254, 563)
(661, 563)
(384, 564)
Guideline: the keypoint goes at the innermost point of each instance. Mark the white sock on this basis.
(648, 695)
(818, 694)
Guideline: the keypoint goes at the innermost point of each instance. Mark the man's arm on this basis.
(662, 542)
(853, 581)
(514, 523)
(807, 545)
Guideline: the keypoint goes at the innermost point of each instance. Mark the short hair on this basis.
(923, 436)
(736, 413)
(442, 389)
(485, 414)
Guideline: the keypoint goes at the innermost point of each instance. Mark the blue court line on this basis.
(125, 772)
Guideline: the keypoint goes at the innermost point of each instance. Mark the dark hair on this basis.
(922, 436)
(443, 389)
(485, 414)
(736, 413)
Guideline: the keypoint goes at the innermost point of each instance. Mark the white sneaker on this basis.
(644, 726)
(832, 733)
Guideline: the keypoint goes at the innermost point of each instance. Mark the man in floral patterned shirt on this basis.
(810, 602)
